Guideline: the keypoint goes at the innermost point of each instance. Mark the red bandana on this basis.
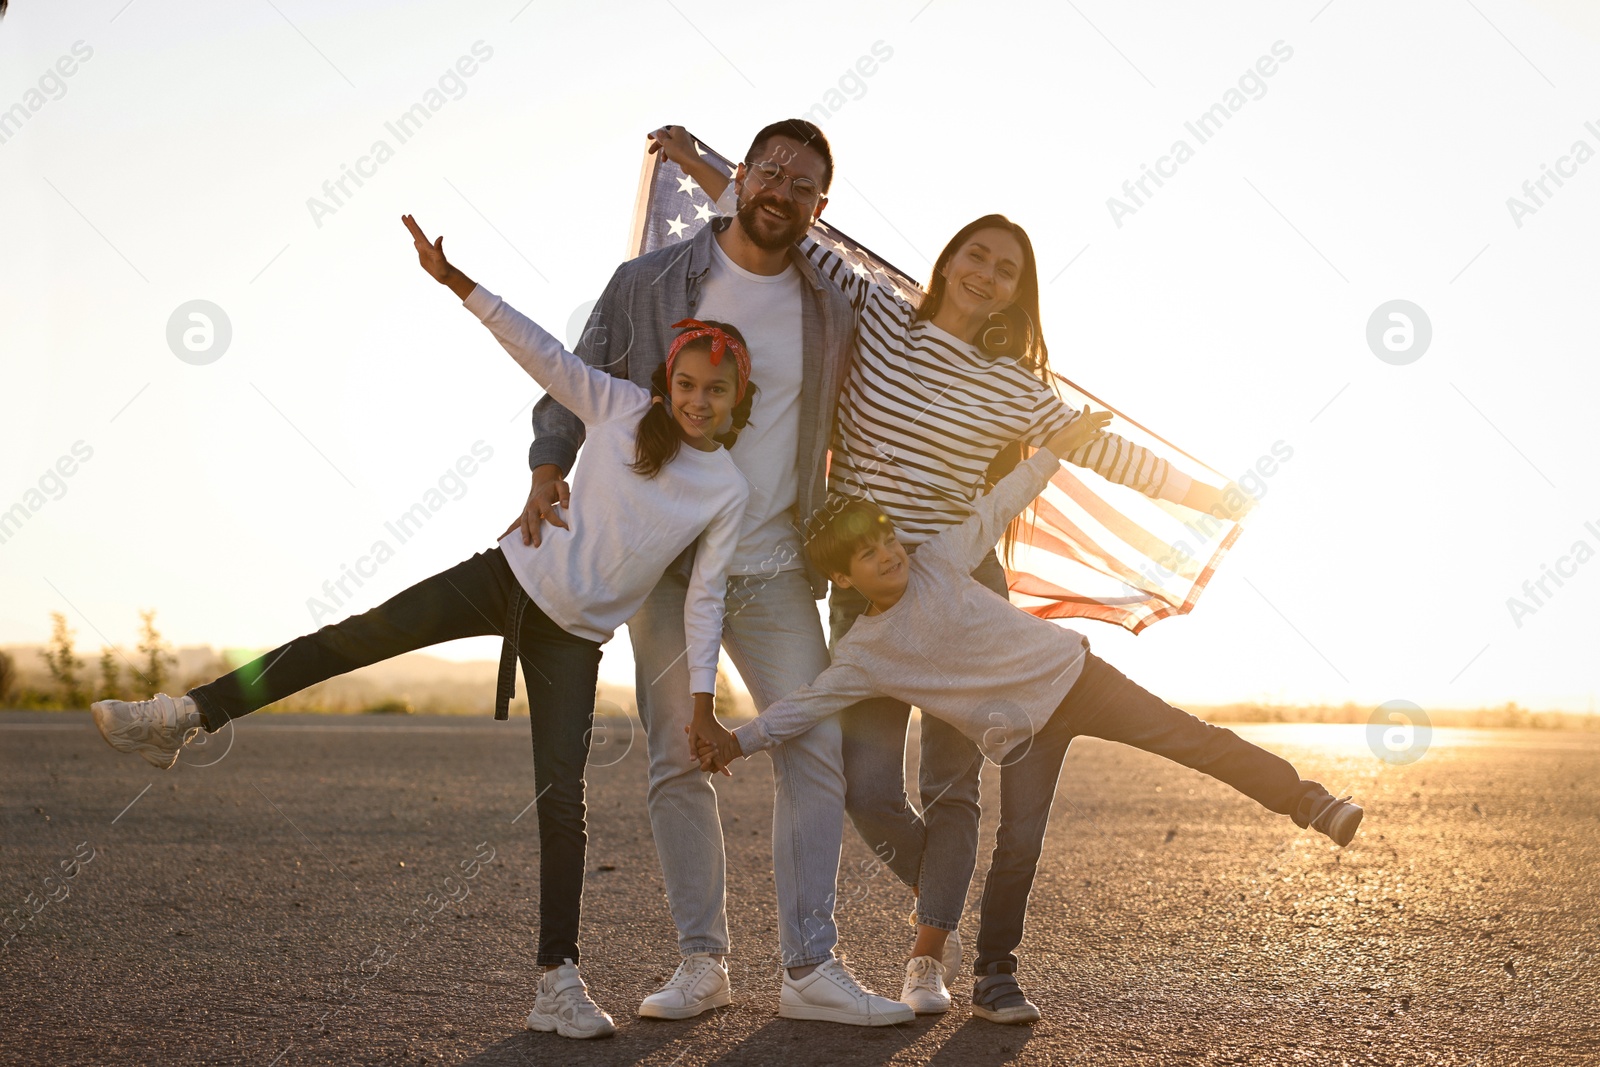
(721, 342)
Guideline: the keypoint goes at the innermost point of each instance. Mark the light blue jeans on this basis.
(775, 639)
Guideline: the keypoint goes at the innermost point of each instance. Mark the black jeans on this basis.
(1105, 704)
(475, 598)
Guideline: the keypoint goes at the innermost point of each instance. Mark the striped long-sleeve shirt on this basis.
(923, 414)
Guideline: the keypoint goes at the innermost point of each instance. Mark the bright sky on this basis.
(1228, 311)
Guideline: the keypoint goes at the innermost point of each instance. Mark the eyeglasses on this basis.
(769, 174)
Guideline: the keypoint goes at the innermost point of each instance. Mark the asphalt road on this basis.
(252, 906)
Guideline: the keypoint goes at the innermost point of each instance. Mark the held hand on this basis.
(548, 496)
(705, 744)
(729, 750)
(676, 143)
(431, 256)
(1086, 426)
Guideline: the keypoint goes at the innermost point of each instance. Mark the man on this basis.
(744, 270)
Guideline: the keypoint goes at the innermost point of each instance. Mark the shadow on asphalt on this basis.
(982, 1043)
(709, 1041)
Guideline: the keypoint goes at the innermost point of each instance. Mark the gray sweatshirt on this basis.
(949, 646)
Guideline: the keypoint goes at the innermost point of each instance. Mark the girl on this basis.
(659, 480)
(938, 402)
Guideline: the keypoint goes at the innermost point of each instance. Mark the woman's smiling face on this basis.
(703, 395)
(982, 276)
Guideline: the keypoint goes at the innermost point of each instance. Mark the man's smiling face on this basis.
(770, 211)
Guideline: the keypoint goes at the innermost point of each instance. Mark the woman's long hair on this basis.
(659, 436)
(1013, 333)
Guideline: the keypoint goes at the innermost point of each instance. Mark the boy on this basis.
(1021, 687)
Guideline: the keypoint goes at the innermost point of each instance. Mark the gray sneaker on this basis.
(563, 1005)
(156, 728)
(998, 998)
(1334, 816)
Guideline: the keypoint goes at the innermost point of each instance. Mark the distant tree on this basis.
(213, 667)
(110, 673)
(158, 659)
(63, 665)
(8, 676)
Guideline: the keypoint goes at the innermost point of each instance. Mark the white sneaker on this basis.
(951, 958)
(156, 728)
(924, 991)
(699, 983)
(831, 994)
(563, 1005)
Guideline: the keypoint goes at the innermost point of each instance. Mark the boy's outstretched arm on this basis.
(1086, 427)
(1228, 503)
(963, 546)
(835, 689)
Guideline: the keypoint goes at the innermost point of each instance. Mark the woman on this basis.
(938, 403)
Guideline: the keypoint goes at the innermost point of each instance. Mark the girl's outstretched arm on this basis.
(431, 256)
(593, 395)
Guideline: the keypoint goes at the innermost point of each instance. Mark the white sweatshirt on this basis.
(624, 529)
(949, 645)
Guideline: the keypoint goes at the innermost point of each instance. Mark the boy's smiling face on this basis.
(879, 569)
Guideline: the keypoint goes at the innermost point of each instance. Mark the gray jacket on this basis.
(631, 327)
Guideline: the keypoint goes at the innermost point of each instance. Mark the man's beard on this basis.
(753, 221)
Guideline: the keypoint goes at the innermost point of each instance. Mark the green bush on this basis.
(63, 665)
(8, 677)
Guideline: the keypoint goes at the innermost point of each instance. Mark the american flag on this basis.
(1095, 550)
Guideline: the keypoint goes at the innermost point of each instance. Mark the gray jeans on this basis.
(774, 637)
(933, 852)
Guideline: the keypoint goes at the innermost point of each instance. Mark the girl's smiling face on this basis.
(703, 395)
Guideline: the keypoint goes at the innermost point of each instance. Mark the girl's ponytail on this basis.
(658, 438)
(741, 418)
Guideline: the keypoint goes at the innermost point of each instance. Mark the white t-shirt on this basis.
(766, 309)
